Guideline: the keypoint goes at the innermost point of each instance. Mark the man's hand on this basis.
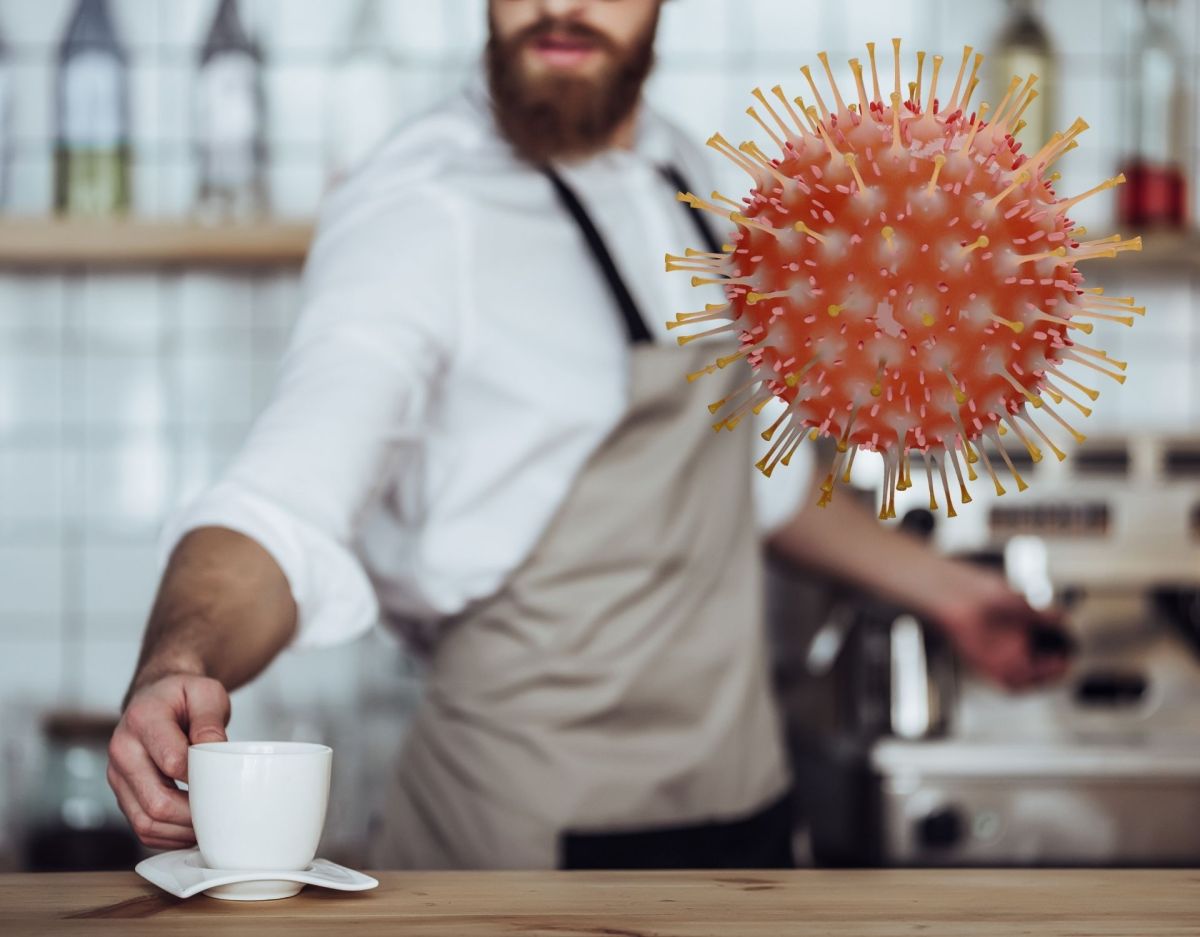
(149, 750)
(993, 628)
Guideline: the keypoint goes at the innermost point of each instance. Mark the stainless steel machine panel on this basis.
(953, 803)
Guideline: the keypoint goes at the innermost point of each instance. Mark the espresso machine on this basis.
(926, 764)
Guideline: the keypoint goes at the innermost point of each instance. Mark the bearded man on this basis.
(482, 435)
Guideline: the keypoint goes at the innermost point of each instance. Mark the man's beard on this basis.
(565, 116)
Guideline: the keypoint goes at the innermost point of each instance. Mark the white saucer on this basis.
(182, 873)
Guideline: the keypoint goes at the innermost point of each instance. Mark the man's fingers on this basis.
(207, 709)
(156, 834)
(164, 845)
(158, 799)
(166, 745)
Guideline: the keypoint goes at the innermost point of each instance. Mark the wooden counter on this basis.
(1148, 903)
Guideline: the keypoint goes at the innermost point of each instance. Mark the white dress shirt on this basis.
(456, 361)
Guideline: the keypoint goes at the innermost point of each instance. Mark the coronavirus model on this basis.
(904, 279)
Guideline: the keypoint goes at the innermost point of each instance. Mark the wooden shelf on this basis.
(56, 243)
(1167, 252)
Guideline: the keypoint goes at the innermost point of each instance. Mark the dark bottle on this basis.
(92, 155)
(1156, 189)
(230, 138)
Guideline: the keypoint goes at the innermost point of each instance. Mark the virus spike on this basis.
(987, 464)
(802, 227)
(1034, 452)
(964, 496)
(1066, 204)
(762, 99)
(896, 63)
(864, 105)
(1020, 102)
(966, 149)
(1090, 251)
(718, 197)
(810, 115)
(750, 148)
(897, 137)
(1060, 395)
(829, 144)
(801, 127)
(850, 465)
(937, 67)
(1092, 314)
(1029, 99)
(938, 162)
(911, 283)
(874, 73)
(1102, 355)
(962, 70)
(1091, 392)
(933, 505)
(998, 118)
(1021, 389)
(770, 431)
(851, 160)
(973, 82)
(1012, 469)
(1078, 436)
(807, 73)
(1058, 453)
(767, 130)
(941, 467)
(1020, 179)
(1119, 378)
(686, 339)
(731, 153)
(837, 94)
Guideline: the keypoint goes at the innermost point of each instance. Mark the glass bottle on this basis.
(361, 105)
(6, 128)
(92, 154)
(1155, 193)
(1023, 48)
(230, 137)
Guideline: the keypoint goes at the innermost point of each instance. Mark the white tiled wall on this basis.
(122, 395)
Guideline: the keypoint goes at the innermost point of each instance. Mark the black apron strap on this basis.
(635, 324)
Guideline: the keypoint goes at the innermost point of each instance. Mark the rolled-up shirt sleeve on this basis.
(378, 323)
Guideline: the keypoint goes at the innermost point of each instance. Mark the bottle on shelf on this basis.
(6, 128)
(1155, 194)
(361, 104)
(230, 126)
(92, 152)
(1024, 48)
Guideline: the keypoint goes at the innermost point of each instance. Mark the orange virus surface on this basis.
(903, 277)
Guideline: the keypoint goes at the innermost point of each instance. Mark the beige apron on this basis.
(619, 680)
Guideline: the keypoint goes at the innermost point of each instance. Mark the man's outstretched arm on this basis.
(988, 622)
(223, 611)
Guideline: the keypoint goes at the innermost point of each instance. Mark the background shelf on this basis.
(56, 243)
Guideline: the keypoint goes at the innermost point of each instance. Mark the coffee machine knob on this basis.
(941, 828)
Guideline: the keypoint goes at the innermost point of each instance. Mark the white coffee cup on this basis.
(258, 806)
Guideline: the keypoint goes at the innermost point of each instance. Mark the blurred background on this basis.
(160, 165)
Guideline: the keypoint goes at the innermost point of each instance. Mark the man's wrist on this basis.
(165, 664)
